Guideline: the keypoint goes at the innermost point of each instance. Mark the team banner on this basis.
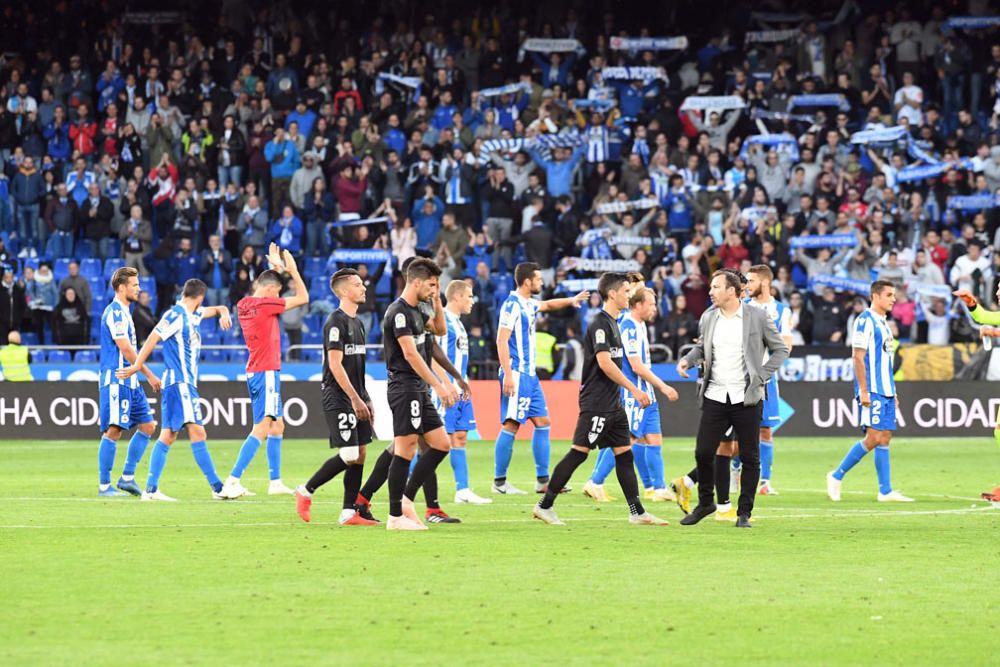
(543, 45)
(932, 290)
(622, 206)
(973, 202)
(576, 285)
(546, 141)
(598, 265)
(405, 81)
(925, 171)
(634, 73)
(970, 22)
(861, 287)
(563, 140)
(360, 256)
(712, 103)
(764, 114)
(883, 135)
(917, 150)
(822, 100)
(824, 241)
(648, 43)
(768, 36)
(781, 142)
(509, 89)
(597, 105)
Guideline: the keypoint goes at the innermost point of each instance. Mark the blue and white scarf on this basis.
(764, 36)
(712, 103)
(970, 22)
(634, 73)
(824, 241)
(823, 100)
(648, 43)
(861, 287)
(880, 136)
(764, 114)
(973, 202)
(509, 89)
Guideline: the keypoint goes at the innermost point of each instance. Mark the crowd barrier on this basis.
(69, 410)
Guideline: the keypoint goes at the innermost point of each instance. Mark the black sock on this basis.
(431, 491)
(694, 475)
(333, 467)
(428, 462)
(560, 476)
(543, 479)
(722, 479)
(352, 483)
(379, 474)
(399, 468)
(625, 470)
(499, 481)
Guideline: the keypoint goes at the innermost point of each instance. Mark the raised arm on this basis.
(566, 302)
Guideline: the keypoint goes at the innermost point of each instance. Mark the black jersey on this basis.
(346, 334)
(598, 393)
(427, 310)
(402, 319)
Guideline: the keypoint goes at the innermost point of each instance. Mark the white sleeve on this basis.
(630, 340)
(168, 325)
(785, 322)
(862, 333)
(116, 325)
(509, 315)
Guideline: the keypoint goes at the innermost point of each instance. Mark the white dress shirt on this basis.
(728, 367)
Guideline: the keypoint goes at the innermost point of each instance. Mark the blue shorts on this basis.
(265, 395)
(880, 415)
(527, 402)
(641, 421)
(180, 406)
(459, 417)
(770, 416)
(124, 407)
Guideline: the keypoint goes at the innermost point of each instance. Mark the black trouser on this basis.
(716, 417)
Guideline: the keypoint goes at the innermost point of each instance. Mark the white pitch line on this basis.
(525, 520)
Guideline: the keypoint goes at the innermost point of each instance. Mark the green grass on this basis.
(88, 581)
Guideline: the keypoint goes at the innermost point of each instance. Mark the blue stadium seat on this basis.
(36, 356)
(312, 337)
(29, 261)
(60, 269)
(314, 322)
(311, 355)
(29, 338)
(384, 285)
(148, 284)
(215, 356)
(58, 357)
(209, 325)
(90, 268)
(210, 337)
(86, 357)
(98, 286)
(157, 355)
(84, 249)
(112, 265)
(238, 356)
(315, 266)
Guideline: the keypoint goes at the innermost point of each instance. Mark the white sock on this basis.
(128, 478)
(103, 487)
(345, 515)
(725, 508)
(302, 491)
(688, 482)
(232, 480)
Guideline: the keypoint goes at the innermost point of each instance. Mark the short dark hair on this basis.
(610, 281)
(268, 277)
(341, 275)
(525, 271)
(422, 268)
(880, 285)
(120, 276)
(732, 278)
(193, 288)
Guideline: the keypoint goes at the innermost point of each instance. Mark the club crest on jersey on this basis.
(599, 337)
(400, 321)
(415, 421)
(334, 335)
(592, 437)
(345, 435)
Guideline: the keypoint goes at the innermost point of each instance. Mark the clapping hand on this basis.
(274, 257)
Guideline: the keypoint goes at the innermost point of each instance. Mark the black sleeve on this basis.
(334, 334)
(405, 324)
(600, 335)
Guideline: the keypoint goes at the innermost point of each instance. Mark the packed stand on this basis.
(834, 147)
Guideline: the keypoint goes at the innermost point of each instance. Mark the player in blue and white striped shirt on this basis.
(644, 423)
(459, 419)
(123, 404)
(875, 391)
(521, 395)
(179, 329)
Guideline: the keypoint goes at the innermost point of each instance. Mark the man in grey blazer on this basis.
(732, 342)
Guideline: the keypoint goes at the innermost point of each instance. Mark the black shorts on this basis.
(413, 413)
(599, 430)
(346, 430)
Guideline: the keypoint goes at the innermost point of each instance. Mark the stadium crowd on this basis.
(835, 146)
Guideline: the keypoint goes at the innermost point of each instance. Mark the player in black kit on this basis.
(407, 348)
(603, 422)
(346, 404)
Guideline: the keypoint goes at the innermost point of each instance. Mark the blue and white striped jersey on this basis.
(597, 143)
(518, 315)
(872, 334)
(635, 340)
(179, 330)
(455, 343)
(116, 324)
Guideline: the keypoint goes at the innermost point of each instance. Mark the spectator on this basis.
(283, 156)
(319, 209)
(404, 241)
(71, 322)
(40, 291)
(28, 191)
(286, 231)
(427, 214)
(972, 271)
(829, 319)
(908, 101)
(800, 320)
(253, 225)
(240, 286)
(303, 180)
(83, 134)
(136, 236)
(95, 214)
(143, 318)
(14, 360)
(679, 328)
(12, 303)
(78, 283)
(251, 262)
(349, 187)
(216, 269)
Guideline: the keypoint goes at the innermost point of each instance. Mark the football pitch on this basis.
(90, 581)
